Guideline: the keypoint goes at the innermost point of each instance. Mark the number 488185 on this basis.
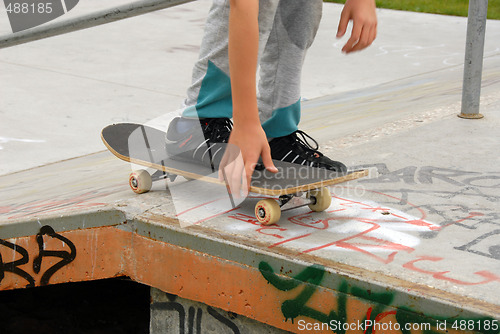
(481, 325)
(29, 8)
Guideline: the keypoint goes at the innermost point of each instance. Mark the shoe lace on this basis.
(303, 140)
(217, 129)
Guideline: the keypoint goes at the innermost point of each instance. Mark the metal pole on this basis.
(473, 67)
(87, 21)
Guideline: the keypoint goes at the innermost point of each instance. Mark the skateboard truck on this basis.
(285, 201)
(268, 211)
(162, 175)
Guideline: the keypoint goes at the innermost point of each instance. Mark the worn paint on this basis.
(258, 293)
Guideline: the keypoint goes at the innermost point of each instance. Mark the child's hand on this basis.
(364, 18)
(246, 145)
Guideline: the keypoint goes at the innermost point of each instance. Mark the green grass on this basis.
(445, 7)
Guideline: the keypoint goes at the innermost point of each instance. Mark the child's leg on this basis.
(209, 95)
(295, 25)
(199, 135)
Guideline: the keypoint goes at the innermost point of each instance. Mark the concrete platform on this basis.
(415, 244)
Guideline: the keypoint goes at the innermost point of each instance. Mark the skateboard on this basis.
(146, 146)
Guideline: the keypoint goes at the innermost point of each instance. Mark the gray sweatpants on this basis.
(286, 30)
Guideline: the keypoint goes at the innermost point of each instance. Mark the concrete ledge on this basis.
(270, 288)
(79, 221)
(229, 262)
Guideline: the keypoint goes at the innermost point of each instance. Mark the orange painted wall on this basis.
(107, 252)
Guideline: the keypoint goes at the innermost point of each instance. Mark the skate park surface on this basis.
(415, 243)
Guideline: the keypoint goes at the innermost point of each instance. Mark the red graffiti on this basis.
(49, 206)
(442, 275)
(262, 229)
(378, 318)
(362, 240)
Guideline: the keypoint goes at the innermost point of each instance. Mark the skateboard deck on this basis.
(146, 146)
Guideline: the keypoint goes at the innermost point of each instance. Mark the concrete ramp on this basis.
(411, 249)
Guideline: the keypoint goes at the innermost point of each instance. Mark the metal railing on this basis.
(474, 50)
(88, 21)
(473, 65)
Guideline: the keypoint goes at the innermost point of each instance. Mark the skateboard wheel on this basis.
(267, 211)
(140, 181)
(321, 199)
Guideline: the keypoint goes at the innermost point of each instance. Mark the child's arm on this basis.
(364, 30)
(247, 133)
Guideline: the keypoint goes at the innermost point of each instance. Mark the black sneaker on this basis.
(296, 148)
(198, 141)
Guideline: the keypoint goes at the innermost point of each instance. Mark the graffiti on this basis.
(453, 206)
(291, 309)
(194, 316)
(407, 207)
(485, 275)
(46, 234)
(492, 251)
(13, 267)
(33, 208)
(431, 175)
(66, 257)
(340, 322)
(261, 229)
(367, 227)
(311, 277)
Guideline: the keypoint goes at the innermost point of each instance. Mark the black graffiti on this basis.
(431, 175)
(13, 267)
(461, 184)
(191, 320)
(66, 257)
(231, 325)
(487, 245)
(455, 204)
(194, 319)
